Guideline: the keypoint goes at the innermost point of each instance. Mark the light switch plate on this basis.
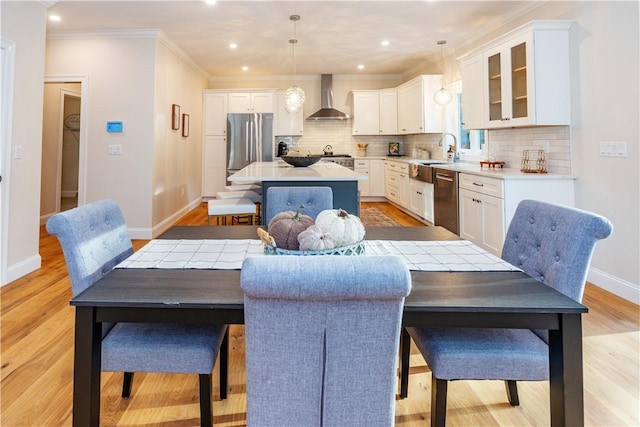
(613, 149)
(115, 149)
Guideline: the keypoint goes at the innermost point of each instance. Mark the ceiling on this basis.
(334, 36)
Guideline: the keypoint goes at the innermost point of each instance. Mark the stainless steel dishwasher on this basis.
(445, 199)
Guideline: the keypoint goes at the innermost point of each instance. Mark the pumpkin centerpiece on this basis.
(285, 227)
(347, 229)
(315, 239)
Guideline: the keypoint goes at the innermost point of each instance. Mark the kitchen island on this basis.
(343, 181)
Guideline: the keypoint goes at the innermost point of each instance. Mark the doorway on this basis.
(63, 145)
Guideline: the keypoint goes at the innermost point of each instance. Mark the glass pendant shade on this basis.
(293, 99)
(442, 97)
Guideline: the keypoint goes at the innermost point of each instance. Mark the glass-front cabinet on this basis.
(509, 84)
(524, 79)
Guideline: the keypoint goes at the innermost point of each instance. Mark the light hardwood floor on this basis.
(37, 366)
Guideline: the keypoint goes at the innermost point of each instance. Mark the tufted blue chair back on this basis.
(322, 336)
(94, 239)
(554, 244)
(314, 200)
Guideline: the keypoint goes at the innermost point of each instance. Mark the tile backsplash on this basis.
(505, 145)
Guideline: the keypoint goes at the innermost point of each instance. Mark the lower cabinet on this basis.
(486, 205)
(375, 185)
(421, 199)
(397, 183)
(481, 220)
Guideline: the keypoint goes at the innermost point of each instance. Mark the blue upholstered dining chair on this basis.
(314, 200)
(554, 245)
(322, 336)
(94, 240)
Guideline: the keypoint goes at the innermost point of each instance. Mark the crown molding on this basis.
(307, 77)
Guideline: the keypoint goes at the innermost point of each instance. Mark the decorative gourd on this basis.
(347, 229)
(314, 239)
(284, 227)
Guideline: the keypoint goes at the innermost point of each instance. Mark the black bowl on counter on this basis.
(301, 161)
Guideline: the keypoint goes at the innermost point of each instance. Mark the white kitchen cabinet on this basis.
(376, 178)
(388, 111)
(417, 111)
(486, 205)
(375, 112)
(526, 79)
(366, 113)
(374, 169)
(481, 219)
(251, 102)
(473, 92)
(287, 124)
(214, 159)
(397, 183)
(421, 199)
(215, 113)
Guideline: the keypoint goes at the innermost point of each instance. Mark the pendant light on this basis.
(294, 96)
(442, 96)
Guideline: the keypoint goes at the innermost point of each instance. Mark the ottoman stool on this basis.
(233, 207)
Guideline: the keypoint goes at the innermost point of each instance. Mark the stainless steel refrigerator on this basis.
(249, 139)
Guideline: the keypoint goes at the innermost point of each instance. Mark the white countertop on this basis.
(280, 171)
(474, 168)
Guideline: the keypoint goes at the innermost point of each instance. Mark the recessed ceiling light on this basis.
(360, 67)
(54, 18)
(210, 2)
(245, 68)
(385, 43)
(233, 45)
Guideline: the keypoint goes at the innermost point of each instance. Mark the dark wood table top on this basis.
(435, 292)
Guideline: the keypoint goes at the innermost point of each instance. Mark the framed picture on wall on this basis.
(175, 117)
(185, 125)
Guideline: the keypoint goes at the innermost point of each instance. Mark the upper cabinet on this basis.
(417, 111)
(215, 113)
(375, 112)
(407, 109)
(524, 78)
(287, 124)
(251, 102)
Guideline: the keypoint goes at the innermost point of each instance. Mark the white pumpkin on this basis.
(314, 239)
(347, 229)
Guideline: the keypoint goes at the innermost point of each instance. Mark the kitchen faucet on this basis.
(456, 154)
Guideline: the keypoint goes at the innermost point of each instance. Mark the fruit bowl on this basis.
(301, 161)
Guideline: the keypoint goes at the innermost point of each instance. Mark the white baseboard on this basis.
(23, 268)
(150, 233)
(615, 285)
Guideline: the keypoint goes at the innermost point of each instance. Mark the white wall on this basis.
(25, 24)
(116, 92)
(177, 160)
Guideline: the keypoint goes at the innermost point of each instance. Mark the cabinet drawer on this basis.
(397, 166)
(482, 184)
(361, 164)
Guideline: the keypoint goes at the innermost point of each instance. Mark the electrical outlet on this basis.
(17, 152)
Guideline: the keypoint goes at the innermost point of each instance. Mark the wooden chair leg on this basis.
(224, 365)
(127, 381)
(512, 392)
(206, 415)
(438, 402)
(405, 352)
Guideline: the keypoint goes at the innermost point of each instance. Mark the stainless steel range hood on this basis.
(327, 112)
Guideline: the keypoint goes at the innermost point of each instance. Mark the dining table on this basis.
(470, 299)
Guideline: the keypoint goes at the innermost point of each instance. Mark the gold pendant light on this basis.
(294, 96)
